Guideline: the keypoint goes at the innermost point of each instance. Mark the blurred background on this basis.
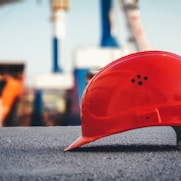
(49, 49)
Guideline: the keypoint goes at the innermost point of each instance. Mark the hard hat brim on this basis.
(79, 142)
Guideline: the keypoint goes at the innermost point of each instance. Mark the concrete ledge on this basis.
(36, 153)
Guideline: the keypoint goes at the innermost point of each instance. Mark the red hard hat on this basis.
(139, 90)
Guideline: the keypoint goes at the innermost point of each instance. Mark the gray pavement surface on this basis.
(36, 153)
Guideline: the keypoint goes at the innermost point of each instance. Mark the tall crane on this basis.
(137, 38)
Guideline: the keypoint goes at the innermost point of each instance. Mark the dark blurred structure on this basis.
(51, 101)
(11, 78)
(4, 2)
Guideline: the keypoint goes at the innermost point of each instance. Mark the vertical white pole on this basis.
(60, 33)
(59, 8)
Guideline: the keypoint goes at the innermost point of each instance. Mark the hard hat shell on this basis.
(139, 90)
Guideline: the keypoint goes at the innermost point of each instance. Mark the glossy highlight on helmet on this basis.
(139, 90)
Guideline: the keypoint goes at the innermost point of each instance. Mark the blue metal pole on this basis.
(107, 40)
(56, 67)
(37, 114)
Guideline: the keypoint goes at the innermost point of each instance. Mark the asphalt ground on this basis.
(36, 153)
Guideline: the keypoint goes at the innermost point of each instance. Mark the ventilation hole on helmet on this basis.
(147, 117)
(139, 79)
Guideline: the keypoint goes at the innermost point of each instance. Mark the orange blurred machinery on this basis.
(11, 87)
